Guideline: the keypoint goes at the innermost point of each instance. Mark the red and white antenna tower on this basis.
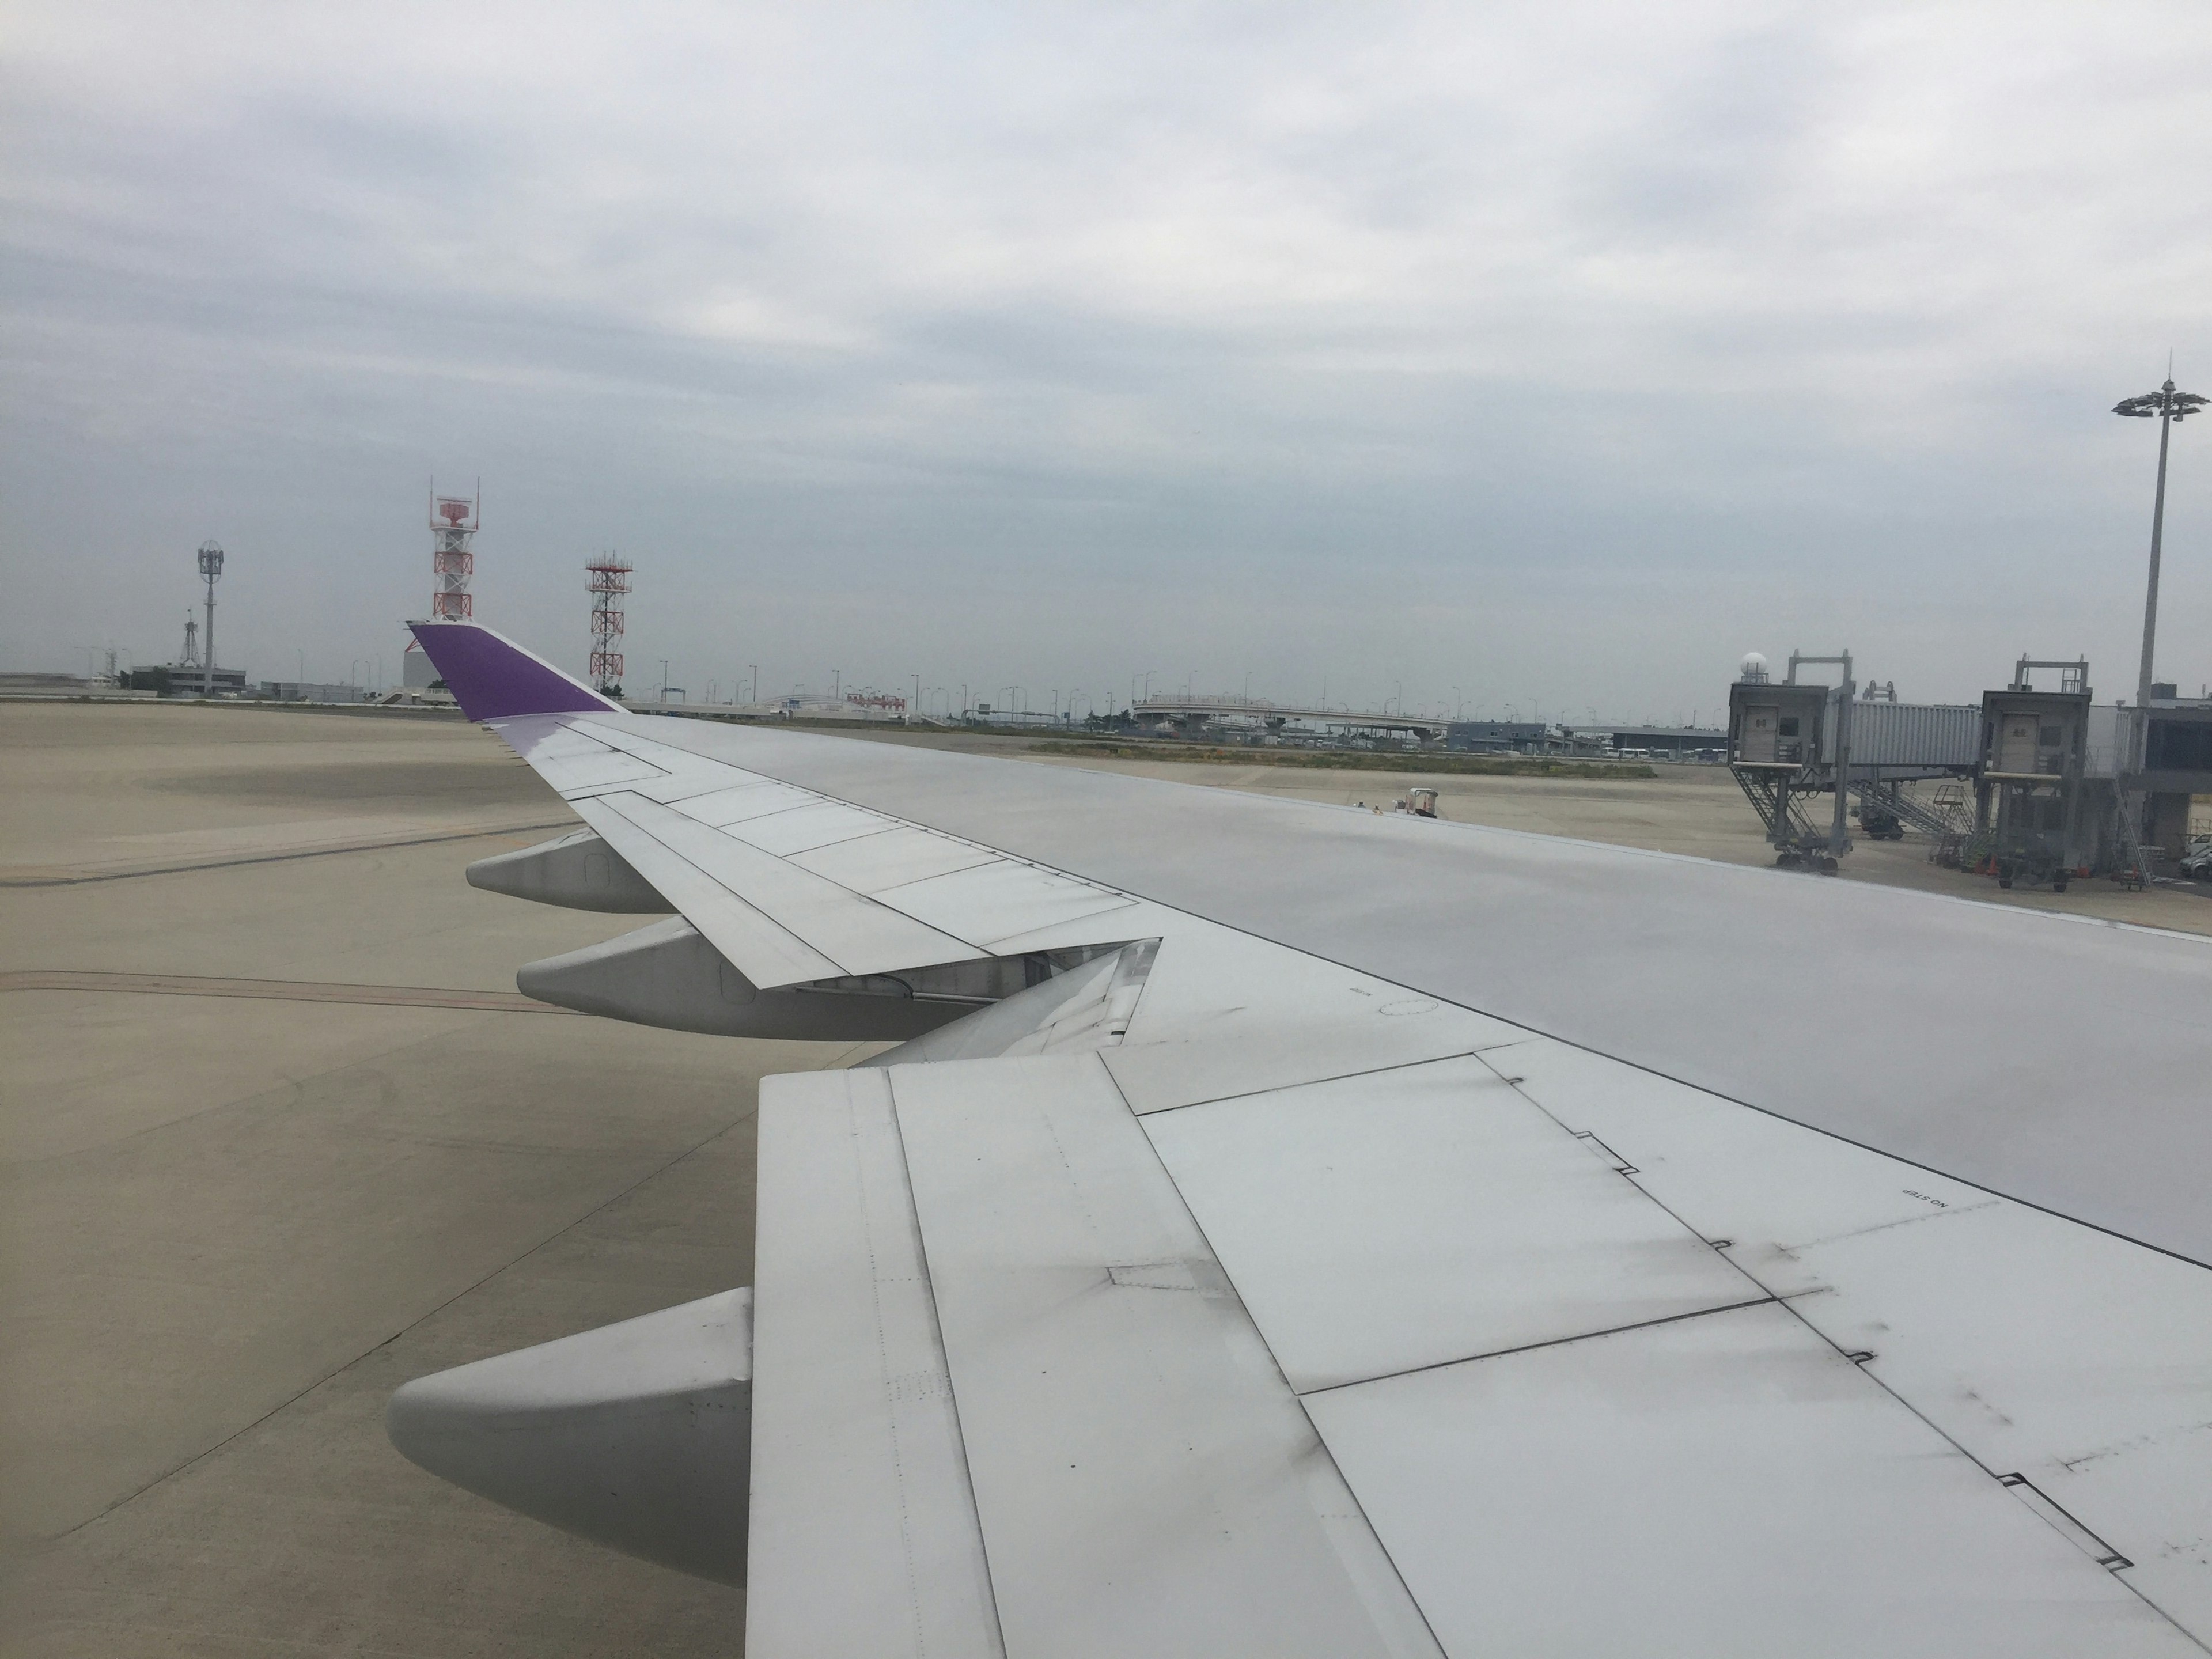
(610, 581)
(452, 521)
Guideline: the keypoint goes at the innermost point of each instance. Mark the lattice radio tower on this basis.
(609, 582)
(452, 522)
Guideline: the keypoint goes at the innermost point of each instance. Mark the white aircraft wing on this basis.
(1178, 1286)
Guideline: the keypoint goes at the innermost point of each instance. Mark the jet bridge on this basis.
(1788, 743)
(1779, 737)
(2030, 786)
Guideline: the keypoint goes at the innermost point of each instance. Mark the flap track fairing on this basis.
(578, 871)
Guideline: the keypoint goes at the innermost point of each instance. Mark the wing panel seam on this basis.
(937, 1331)
(1332, 1077)
(1313, 1428)
(739, 899)
(1858, 1358)
(1548, 1342)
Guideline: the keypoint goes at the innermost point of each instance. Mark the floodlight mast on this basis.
(210, 568)
(2169, 406)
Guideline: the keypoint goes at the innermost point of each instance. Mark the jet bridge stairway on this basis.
(2138, 864)
(1886, 797)
(1767, 797)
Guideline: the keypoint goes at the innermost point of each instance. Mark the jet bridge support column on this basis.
(1839, 745)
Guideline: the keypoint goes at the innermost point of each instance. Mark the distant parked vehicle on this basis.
(2033, 866)
(2196, 859)
(1880, 823)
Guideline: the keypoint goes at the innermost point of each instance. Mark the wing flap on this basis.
(1723, 1484)
(760, 947)
(1002, 900)
(789, 884)
(1144, 1478)
(2077, 1360)
(572, 761)
(857, 934)
(1226, 1014)
(803, 829)
(863, 1537)
(740, 802)
(1423, 1215)
(898, 856)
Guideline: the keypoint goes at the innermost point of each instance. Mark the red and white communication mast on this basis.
(452, 521)
(609, 582)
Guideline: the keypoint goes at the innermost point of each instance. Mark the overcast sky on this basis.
(1553, 353)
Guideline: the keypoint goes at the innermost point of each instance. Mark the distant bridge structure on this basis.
(1192, 713)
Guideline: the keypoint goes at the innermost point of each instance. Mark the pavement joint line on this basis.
(278, 990)
(82, 877)
(423, 1318)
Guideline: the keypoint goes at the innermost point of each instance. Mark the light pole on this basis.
(210, 568)
(664, 681)
(755, 669)
(2169, 406)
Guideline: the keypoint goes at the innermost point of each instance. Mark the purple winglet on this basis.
(492, 678)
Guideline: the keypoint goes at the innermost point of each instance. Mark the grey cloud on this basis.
(1567, 352)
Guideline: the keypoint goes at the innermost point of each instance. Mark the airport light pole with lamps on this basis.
(2169, 406)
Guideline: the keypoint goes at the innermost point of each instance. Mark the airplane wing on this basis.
(1209, 1270)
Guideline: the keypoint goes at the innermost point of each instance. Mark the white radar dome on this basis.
(1755, 666)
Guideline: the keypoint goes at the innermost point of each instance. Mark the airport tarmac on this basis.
(280, 1135)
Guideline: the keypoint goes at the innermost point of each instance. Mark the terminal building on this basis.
(185, 680)
(1680, 743)
(313, 691)
(1500, 737)
(2176, 774)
